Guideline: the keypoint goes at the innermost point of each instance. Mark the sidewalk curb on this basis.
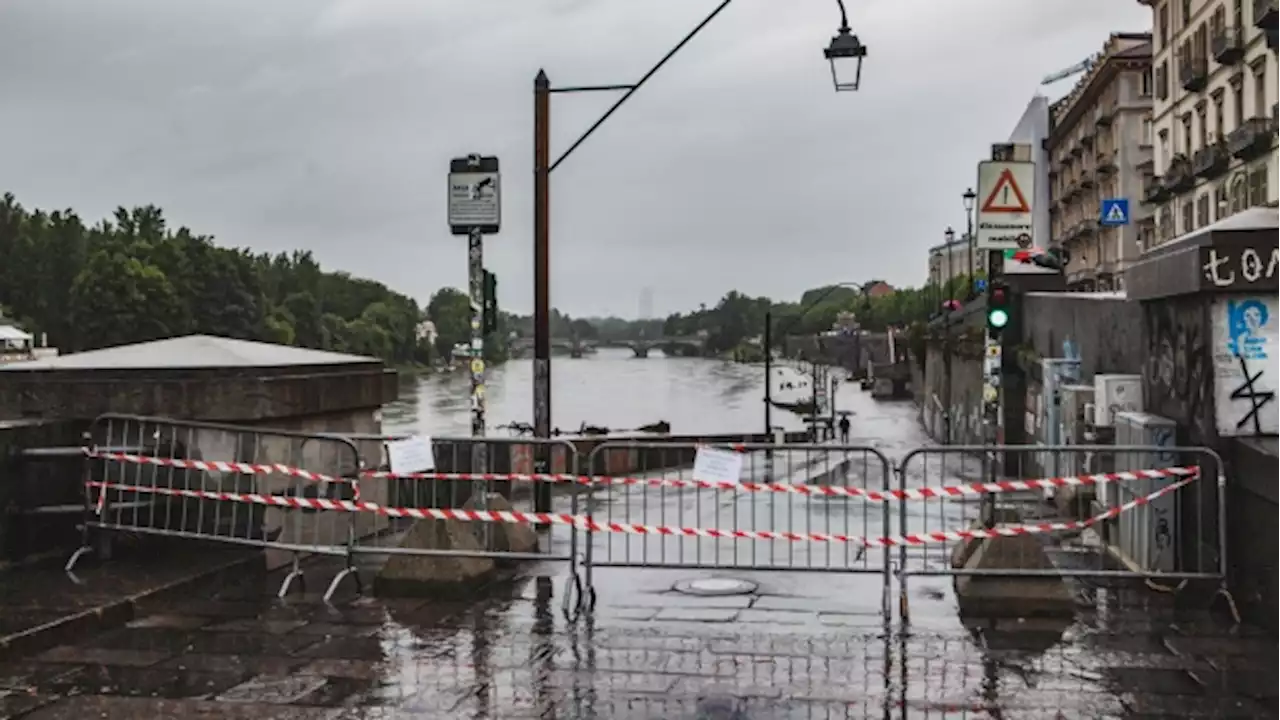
(111, 615)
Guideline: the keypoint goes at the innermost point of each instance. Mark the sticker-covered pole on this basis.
(475, 275)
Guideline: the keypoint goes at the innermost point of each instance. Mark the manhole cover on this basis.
(716, 586)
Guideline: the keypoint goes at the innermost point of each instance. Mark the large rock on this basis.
(436, 572)
(503, 537)
(1010, 595)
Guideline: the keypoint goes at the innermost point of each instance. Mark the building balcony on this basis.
(1227, 45)
(1146, 164)
(1086, 180)
(1265, 14)
(1193, 71)
(1077, 150)
(1154, 190)
(1178, 177)
(1103, 116)
(1106, 162)
(1251, 139)
(1211, 160)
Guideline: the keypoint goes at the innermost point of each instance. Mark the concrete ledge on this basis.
(75, 626)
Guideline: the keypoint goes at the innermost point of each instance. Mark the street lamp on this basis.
(847, 48)
(950, 236)
(970, 199)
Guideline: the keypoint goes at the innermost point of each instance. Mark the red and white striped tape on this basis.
(924, 493)
(589, 523)
(242, 468)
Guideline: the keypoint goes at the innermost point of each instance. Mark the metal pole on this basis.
(475, 274)
(813, 415)
(970, 292)
(541, 283)
(768, 376)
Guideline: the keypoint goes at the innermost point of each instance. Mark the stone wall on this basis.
(1104, 330)
(964, 405)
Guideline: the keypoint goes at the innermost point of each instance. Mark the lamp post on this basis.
(950, 236)
(970, 199)
(844, 46)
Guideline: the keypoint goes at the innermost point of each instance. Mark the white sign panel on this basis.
(1006, 192)
(1245, 351)
(717, 466)
(411, 455)
(475, 199)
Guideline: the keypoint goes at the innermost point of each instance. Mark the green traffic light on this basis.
(998, 318)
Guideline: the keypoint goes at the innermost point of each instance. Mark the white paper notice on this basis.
(410, 455)
(716, 465)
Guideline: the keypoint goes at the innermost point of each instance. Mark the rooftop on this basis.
(189, 352)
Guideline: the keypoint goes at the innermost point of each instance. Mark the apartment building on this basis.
(1097, 151)
(949, 260)
(1213, 113)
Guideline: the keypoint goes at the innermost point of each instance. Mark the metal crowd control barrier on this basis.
(1154, 513)
(454, 492)
(797, 508)
(260, 487)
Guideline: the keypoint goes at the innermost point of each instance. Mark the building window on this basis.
(1164, 27)
(1202, 210)
(1237, 13)
(1203, 123)
(1186, 13)
(1237, 102)
(1162, 161)
(1220, 202)
(1162, 80)
(1186, 133)
(1147, 130)
(1239, 193)
(1219, 117)
(1188, 216)
(1145, 86)
(1260, 89)
(1258, 187)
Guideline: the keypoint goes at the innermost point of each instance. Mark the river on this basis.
(608, 389)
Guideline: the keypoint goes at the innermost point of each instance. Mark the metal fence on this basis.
(259, 487)
(1137, 512)
(797, 507)
(1155, 521)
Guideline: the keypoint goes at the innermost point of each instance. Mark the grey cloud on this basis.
(329, 125)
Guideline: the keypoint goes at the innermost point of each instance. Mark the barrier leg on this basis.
(295, 573)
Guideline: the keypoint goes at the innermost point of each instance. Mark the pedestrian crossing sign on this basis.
(1115, 211)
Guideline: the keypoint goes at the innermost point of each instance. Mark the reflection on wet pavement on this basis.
(813, 645)
(795, 647)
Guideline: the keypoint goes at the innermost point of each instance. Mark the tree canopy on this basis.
(132, 278)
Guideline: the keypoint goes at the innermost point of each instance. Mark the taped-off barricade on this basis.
(795, 508)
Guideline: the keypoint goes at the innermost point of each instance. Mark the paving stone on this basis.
(698, 614)
(78, 655)
(144, 682)
(243, 665)
(122, 708)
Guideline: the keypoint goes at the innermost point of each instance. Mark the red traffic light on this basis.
(998, 296)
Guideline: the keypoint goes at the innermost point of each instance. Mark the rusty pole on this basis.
(542, 283)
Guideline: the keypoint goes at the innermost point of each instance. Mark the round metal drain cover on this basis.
(712, 587)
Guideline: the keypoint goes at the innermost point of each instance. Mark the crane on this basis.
(1080, 67)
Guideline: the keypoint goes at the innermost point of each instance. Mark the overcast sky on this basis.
(328, 125)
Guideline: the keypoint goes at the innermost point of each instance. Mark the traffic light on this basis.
(999, 308)
(490, 306)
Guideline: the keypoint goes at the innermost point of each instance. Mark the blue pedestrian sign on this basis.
(1115, 211)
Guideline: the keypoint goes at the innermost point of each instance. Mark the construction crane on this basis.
(1080, 67)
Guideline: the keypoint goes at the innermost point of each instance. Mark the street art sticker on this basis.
(1244, 359)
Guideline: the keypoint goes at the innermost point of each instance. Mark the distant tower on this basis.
(646, 303)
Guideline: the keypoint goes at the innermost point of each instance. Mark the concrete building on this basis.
(1213, 114)
(1098, 146)
(1032, 130)
(949, 260)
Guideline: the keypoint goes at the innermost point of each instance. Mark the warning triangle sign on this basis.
(1115, 214)
(1006, 196)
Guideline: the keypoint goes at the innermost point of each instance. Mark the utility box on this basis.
(1147, 534)
(1113, 394)
(1076, 416)
(1056, 373)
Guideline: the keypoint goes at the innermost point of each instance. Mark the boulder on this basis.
(436, 572)
(503, 537)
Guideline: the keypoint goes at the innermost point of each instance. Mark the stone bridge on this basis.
(691, 346)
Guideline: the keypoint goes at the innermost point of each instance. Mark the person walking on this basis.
(844, 429)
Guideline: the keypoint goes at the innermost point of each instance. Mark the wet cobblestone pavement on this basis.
(792, 649)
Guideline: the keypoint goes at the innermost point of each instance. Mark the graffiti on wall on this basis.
(1179, 369)
(1244, 359)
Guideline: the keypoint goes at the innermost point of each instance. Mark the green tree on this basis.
(450, 310)
(118, 299)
